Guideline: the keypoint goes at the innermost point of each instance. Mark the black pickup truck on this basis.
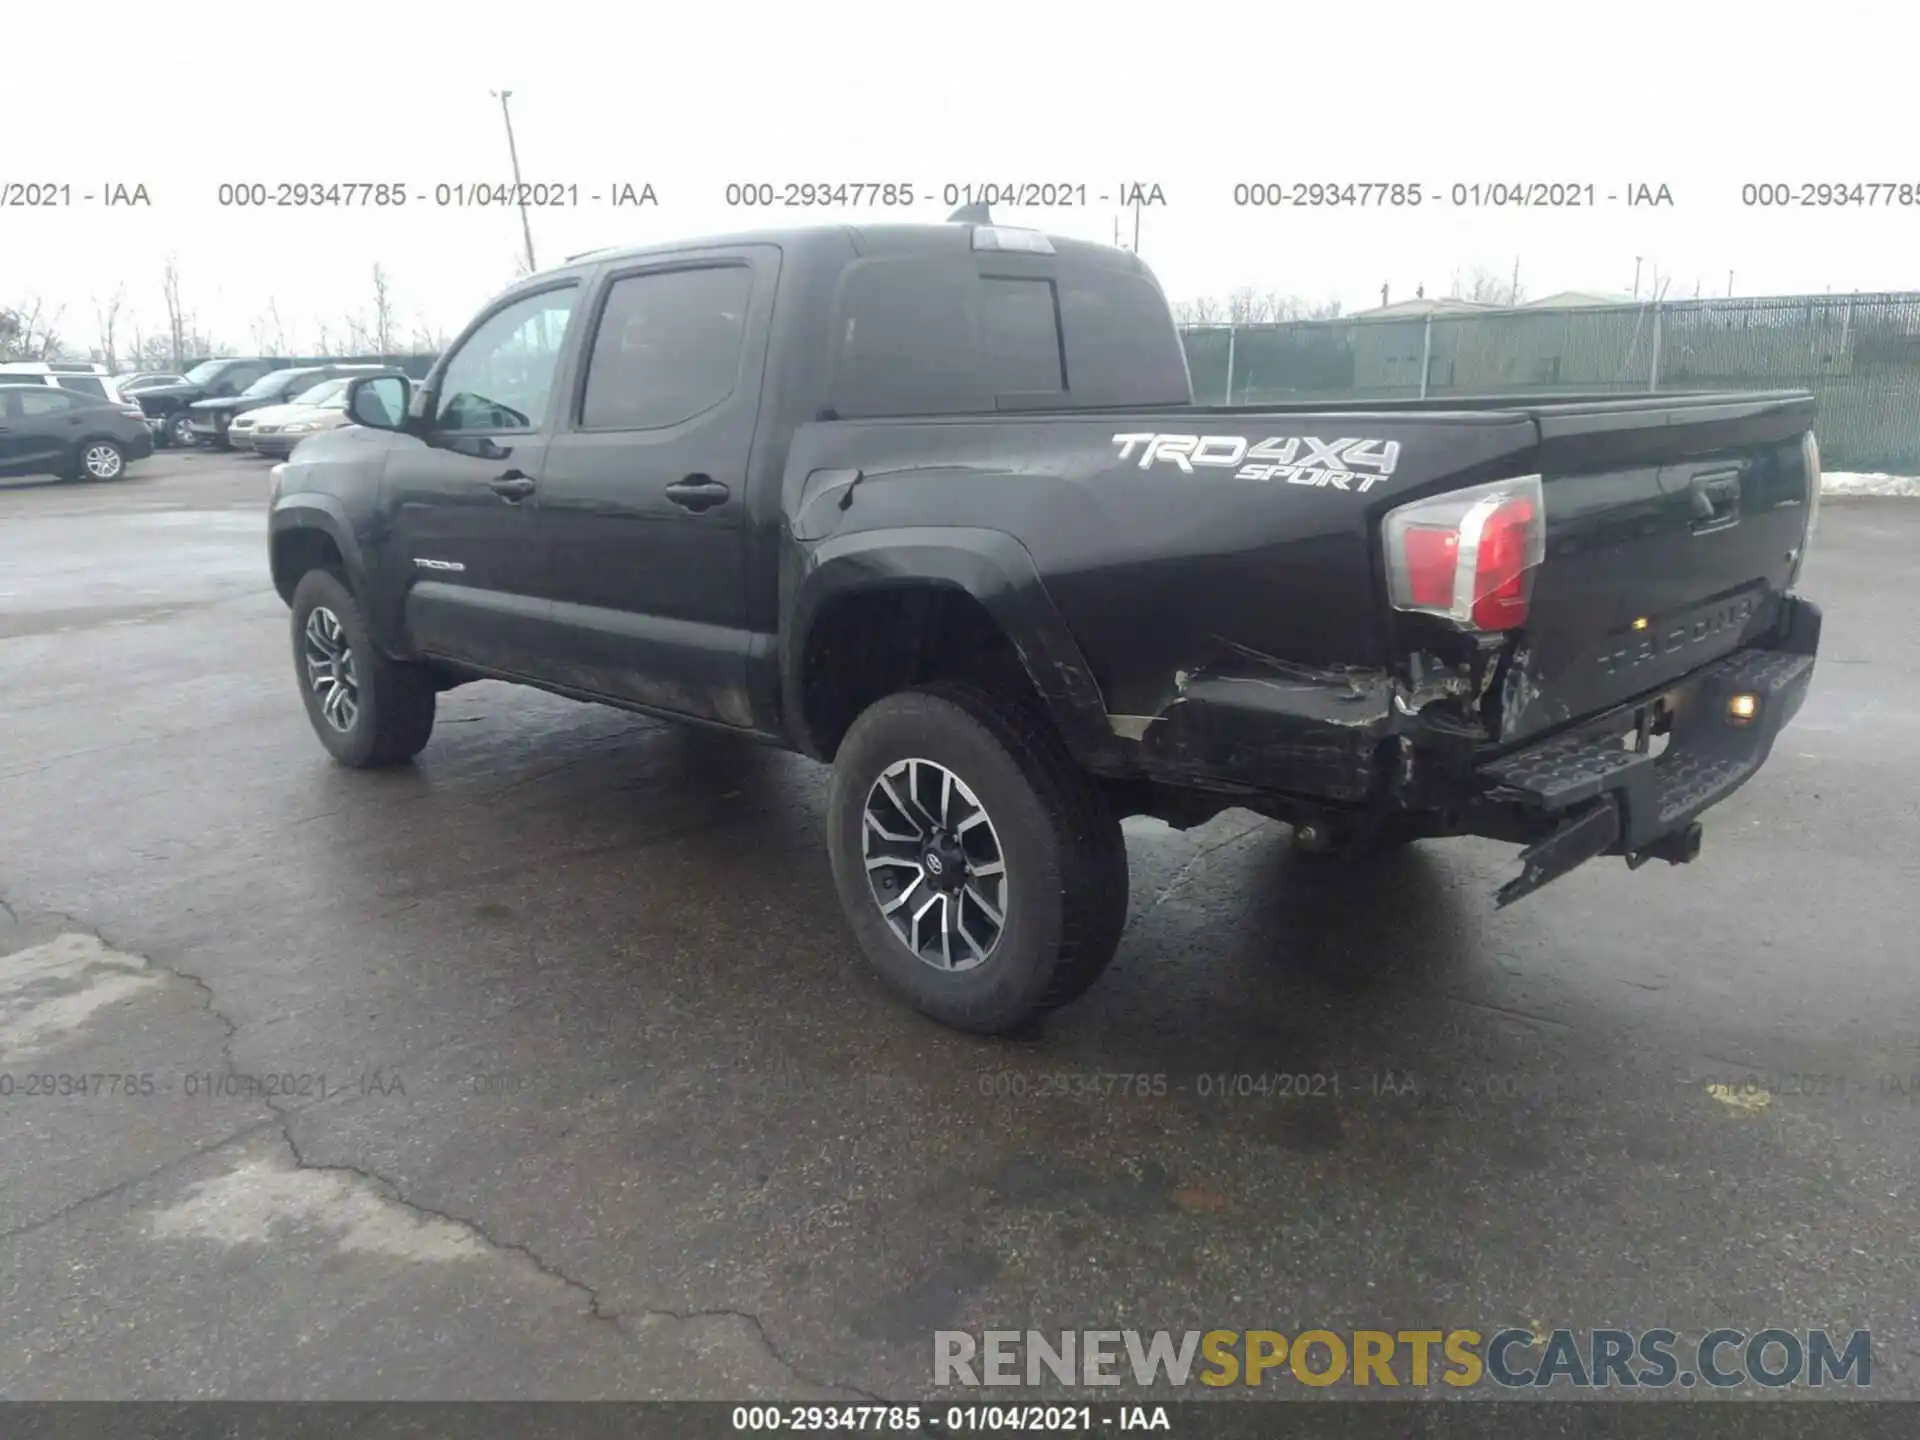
(934, 504)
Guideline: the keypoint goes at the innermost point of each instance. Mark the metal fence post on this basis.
(1426, 354)
(1230, 335)
(1653, 367)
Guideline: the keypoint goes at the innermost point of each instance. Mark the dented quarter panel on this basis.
(1155, 570)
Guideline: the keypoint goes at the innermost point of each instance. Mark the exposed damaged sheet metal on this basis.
(1256, 721)
(1272, 726)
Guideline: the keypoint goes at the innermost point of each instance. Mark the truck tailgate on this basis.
(1674, 527)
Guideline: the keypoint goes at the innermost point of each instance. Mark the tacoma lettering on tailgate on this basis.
(1350, 464)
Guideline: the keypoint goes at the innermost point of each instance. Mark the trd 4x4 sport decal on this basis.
(1355, 464)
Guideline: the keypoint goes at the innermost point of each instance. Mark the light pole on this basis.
(519, 190)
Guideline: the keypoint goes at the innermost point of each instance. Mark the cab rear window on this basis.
(930, 335)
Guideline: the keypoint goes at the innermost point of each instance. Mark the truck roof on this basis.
(867, 239)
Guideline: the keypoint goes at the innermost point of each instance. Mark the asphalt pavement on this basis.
(544, 1068)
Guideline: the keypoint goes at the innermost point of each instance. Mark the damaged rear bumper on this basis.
(1353, 753)
(1598, 790)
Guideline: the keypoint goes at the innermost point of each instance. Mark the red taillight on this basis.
(1468, 556)
(1431, 555)
(1500, 568)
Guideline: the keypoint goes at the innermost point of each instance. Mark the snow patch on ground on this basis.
(49, 991)
(1847, 482)
(247, 1206)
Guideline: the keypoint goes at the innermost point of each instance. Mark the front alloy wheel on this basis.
(934, 864)
(330, 673)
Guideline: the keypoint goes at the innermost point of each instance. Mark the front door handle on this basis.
(697, 493)
(513, 487)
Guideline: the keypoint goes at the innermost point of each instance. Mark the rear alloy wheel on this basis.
(180, 430)
(369, 710)
(934, 865)
(982, 871)
(102, 460)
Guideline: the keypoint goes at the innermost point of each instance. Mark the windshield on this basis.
(277, 382)
(328, 393)
(205, 372)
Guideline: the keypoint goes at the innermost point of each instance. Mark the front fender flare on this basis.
(992, 567)
(324, 513)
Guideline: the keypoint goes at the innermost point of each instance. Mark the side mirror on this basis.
(379, 402)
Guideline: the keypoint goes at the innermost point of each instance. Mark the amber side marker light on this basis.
(1641, 623)
(1742, 708)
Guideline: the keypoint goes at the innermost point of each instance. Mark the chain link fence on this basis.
(1858, 354)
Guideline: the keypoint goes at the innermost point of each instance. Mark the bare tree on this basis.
(383, 342)
(1485, 286)
(108, 318)
(152, 352)
(270, 331)
(1280, 305)
(324, 342)
(1246, 306)
(30, 332)
(426, 338)
(178, 320)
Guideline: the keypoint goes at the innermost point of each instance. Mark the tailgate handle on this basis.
(1716, 500)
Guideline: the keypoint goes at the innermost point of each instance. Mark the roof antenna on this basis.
(975, 214)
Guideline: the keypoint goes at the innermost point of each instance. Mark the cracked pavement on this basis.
(544, 1069)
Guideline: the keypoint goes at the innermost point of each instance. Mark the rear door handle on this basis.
(513, 487)
(698, 492)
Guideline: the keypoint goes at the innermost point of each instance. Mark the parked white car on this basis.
(80, 376)
(276, 429)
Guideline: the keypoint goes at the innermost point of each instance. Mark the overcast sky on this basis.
(1194, 97)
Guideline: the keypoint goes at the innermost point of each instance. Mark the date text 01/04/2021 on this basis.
(902, 194)
(1208, 1085)
(952, 1419)
(196, 1085)
(444, 194)
(1470, 195)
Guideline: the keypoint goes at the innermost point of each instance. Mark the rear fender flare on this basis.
(996, 570)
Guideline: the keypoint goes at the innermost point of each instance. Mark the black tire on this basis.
(179, 430)
(394, 701)
(1065, 857)
(98, 459)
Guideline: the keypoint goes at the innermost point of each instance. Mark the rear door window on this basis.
(47, 401)
(668, 347)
